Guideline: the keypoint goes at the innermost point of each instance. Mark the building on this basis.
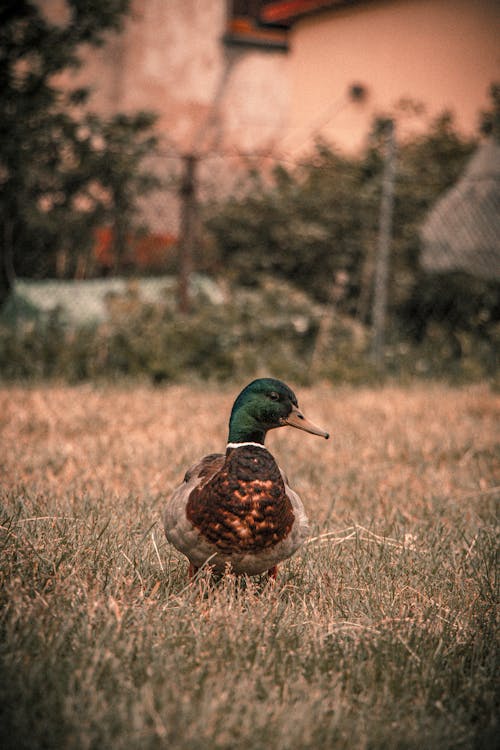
(252, 76)
(251, 81)
(411, 59)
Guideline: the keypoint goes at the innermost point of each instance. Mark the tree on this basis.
(490, 120)
(63, 171)
(307, 226)
(319, 222)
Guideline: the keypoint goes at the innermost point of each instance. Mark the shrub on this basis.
(63, 170)
(270, 328)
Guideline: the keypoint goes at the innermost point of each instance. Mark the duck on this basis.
(235, 510)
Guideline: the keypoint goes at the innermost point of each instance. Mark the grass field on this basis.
(381, 633)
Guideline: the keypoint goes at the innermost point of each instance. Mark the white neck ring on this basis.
(241, 445)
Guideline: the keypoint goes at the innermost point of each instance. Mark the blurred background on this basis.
(217, 189)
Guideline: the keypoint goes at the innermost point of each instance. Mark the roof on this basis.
(462, 231)
(264, 23)
(287, 11)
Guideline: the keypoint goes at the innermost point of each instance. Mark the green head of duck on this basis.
(264, 404)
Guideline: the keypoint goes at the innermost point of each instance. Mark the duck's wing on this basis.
(204, 469)
(300, 530)
(178, 529)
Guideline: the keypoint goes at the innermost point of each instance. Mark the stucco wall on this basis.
(440, 53)
(171, 59)
(229, 103)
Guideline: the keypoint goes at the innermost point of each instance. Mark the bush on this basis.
(321, 220)
(64, 172)
(305, 227)
(317, 227)
(273, 328)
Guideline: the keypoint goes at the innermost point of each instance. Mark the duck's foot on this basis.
(273, 572)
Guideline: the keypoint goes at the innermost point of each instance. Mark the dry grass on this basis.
(380, 634)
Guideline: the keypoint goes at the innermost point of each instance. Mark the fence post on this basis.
(379, 309)
(7, 273)
(187, 230)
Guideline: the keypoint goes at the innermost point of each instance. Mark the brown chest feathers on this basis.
(244, 506)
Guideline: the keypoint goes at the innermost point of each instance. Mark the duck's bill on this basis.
(297, 419)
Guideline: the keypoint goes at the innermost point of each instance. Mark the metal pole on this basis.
(379, 309)
(188, 230)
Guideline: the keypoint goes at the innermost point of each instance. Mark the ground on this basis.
(380, 633)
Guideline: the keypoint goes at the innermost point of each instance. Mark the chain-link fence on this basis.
(393, 284)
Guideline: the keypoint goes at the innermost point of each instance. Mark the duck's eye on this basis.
(274, 396)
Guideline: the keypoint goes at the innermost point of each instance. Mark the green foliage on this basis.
(426, 167)
(317, 227)
(112, 152)
(270, 328)
(456, 302)
(490, 119)
(305, 227)
(62, 172)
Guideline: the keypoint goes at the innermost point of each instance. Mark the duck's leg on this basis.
(192, 571)
(273, 572)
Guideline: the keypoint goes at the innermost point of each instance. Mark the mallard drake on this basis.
(237, 509)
